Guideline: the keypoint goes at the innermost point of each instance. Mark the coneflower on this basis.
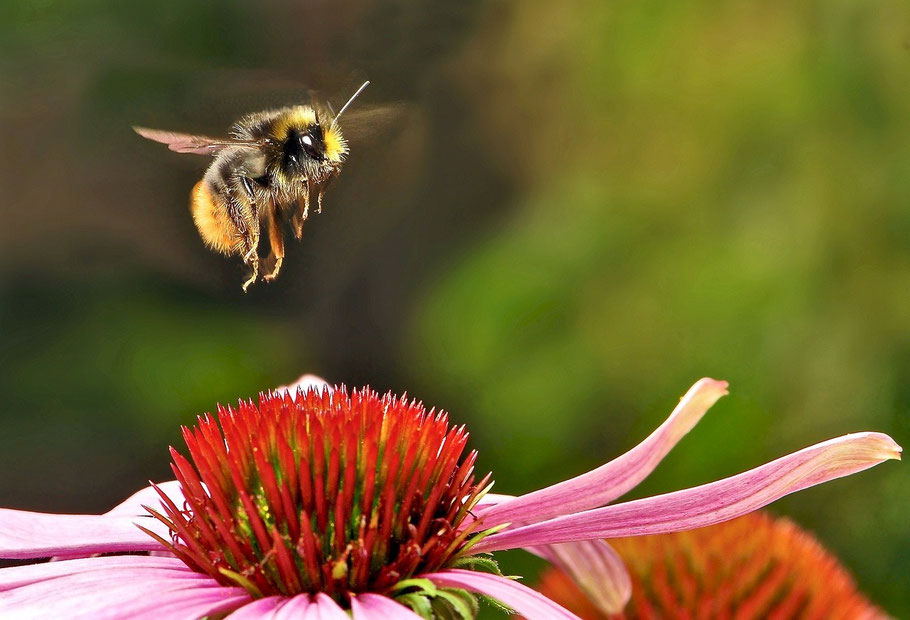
(328, 502)
(756, 566)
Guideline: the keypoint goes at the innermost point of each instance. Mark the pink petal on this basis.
(709, 503)
(604, 484)
(132, 506)
(522, 599)
(26, 535)
(116, 592)
(592, 564)
(596, 568)
(378, 607)
(17, 576)
(325, 609)
(304, 383)
(200, 604)
(491, 499)
(303, 606)
(259, 609)
(293, 607)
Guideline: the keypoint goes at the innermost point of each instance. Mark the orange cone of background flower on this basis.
(756, 566)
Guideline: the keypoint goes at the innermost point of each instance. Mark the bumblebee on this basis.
(263, 178)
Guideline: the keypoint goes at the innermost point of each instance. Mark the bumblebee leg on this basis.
(247, 219)
(276, 241)
(323, 186)
(252, 259)
(302, 212)
(253, 275)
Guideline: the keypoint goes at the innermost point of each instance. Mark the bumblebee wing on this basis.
(373, 120)
(186, 143)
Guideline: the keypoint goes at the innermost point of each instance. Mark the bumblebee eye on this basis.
(310, 147)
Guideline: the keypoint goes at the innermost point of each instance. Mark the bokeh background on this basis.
(576, 210)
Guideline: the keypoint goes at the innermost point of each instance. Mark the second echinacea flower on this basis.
(754, 566)
(333, 501)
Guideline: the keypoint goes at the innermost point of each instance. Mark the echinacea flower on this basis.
(755, 566)
(323, 502)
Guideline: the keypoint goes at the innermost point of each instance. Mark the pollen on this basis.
(325, 491)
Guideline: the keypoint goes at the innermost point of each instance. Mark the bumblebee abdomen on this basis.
(210, 214)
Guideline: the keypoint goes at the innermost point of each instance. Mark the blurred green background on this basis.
(579, 209)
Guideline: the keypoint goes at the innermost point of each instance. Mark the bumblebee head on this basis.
(306, 142)
(324, 144)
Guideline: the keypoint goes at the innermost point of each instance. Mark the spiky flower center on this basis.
(323, 492)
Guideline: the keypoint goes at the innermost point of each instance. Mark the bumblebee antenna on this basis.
(345, 106)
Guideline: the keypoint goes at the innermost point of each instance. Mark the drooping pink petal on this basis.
(491, 499)
(596, 568)
(18, 576)
(522, 599)
(604, 484)
(25, 535)
(378, 607)
(708, 503)
(133, 505)
(592, 564)
(116, 592)
(260, 609)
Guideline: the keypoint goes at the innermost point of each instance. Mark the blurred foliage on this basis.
(585, 208)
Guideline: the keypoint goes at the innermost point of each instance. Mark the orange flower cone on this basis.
(756, 566)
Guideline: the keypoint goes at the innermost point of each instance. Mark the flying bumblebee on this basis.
(263, 176)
